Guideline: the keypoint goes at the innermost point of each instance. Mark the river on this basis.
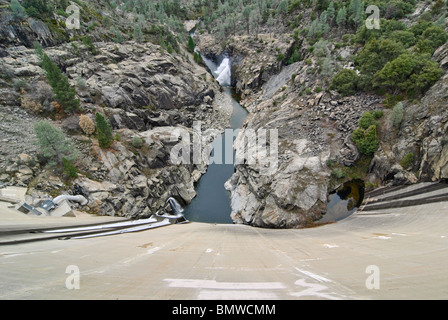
(212, 202)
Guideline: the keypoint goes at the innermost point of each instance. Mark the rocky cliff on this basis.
(315, 127)
(144, 92)
(148, 89)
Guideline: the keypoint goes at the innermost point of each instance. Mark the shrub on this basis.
(29, 104)
(53, 144)
(436, 35)
(396, 116)
(409, 73)
(407, 38)
(280, 57)
(295, 56)
(88, 42)
(87, 125)
(367, 120)
(198, 58)
(138, 34)
(345, 82)
(407, 161)
(137, 142)
(378, 114)
(42, 93)
(104, 131)
(376, 54)
(366, 140)
(420, 27)
(81, 83)
(37, 8)
(338, 173)
(20, 85)
(18, 11)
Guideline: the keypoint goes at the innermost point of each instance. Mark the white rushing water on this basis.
(224, 73)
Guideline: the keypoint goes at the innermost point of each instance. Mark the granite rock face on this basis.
(145, 94)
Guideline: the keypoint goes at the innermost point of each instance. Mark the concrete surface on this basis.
(12, 194)
(393, 254)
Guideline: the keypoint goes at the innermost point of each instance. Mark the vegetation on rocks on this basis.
(310, 68)
(104, 131)
(54, 146)
(65, 95)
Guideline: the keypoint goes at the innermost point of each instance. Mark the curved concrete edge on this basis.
(392, 254)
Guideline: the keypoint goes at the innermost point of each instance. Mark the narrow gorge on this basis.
(311, 71)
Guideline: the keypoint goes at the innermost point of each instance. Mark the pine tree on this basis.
(104, 131)
(396, 116)
(341, 17)
(138, 34)
(190, 45)
(246, 15)
(315, 29)
(53, 144)
(323, 22)
(331, 12)
(17, 10)
(321, 5)
(282, 8)
(69, 169)
(65, 95)
(356, 12)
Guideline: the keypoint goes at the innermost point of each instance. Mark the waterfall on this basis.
(224, 73)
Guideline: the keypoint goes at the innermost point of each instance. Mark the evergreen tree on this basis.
(118, 35)
(282, 8)
(315, 29)
(331, 11)
(104, 131)
(341, 17)
(409, 73)
(356, 12)
(53, 144)
(396, 116)
(246, 15)
(37, 8)
(321, 5)
(255, 20)
(323, 22)
(65, 95)
(138, 34)
(190, 45)
(345, 82)
(17, 10)
(69, 169)
(271, 24)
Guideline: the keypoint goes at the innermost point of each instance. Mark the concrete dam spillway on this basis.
(385, 252)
